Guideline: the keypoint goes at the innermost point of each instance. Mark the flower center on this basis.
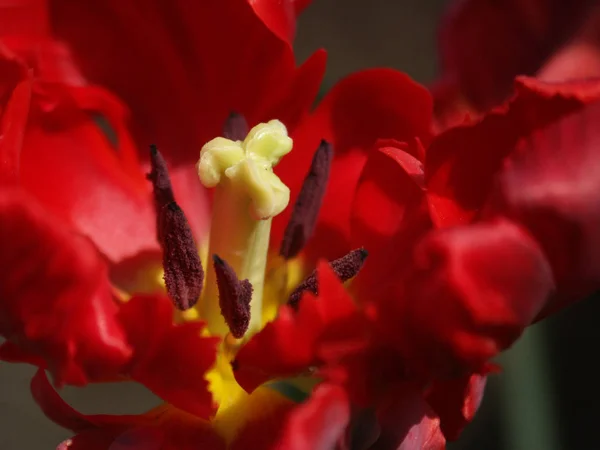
(247, 195)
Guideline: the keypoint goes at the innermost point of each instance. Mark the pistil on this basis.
(247, 196)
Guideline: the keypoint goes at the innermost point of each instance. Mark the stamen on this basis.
(181, 263)
(307, 206)
(345, 268)
(235, 127)
(159, 176)
(234, 297)
(183, 270)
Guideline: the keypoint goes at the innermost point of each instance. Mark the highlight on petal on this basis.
(549, 186)
(456, 401)
(169, 359)
(56, 303)
(470, 294)
(293, 342)
(462, 162)
(279, 16)
(407, 422)
(13, 120)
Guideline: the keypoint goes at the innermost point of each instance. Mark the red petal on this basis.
(472, 292)
(485, 44)
(550, 186)
(388, 214)
(456, 401)
(171, 360)
(279, 16)
(293, 342)
(93, 190)
(27, 17)
(12, 128)
(580, 56)
(359, 110)
(319, 423)
(166, 427)
(462, 162)
(56, 300)
(407, 422)
(214, 56)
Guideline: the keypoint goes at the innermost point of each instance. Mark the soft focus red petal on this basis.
(579, 57)
(462, 162)
(12, 129)
(317, 424)
(407, 422)
(359, 110)
(165, 426)
(388, 214)
(472, 291)
(550, 186)
(56, 300)
(294, 341)
(169, 359)
(485, 44)
(183, 66)
(456, 401)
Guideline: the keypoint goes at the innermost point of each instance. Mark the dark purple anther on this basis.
(307, 206)
(159, 176)
(235, 127)
(234, 298)
(345, 268)
(181, 263)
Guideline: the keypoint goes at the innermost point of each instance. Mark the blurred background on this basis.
(547, 396)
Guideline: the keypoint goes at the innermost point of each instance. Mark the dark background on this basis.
(547, 396)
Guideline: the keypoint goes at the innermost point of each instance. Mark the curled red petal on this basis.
(12, 130)
(407, 422)
(56, 299)
(456, 401)
(279, 16)
(319, 423)
(96, 191)
(462, 162)
(388, 214)
(295, 340)
(470, 294)
(169, 359)
(549, 186)
(359, 110)
(206, 68)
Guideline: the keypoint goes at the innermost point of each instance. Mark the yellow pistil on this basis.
(247, 196)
